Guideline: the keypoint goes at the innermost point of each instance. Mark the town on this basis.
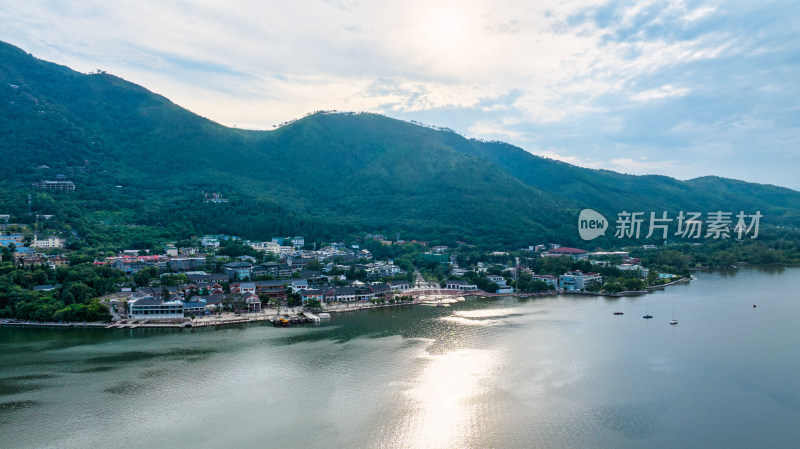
(224, 279)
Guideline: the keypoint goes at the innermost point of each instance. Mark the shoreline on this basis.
(231, 319)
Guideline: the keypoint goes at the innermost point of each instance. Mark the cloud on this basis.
(665, 91)
(607, 83)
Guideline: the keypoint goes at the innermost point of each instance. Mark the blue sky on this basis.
(679, 88)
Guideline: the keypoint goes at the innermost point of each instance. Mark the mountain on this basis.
(140, 161)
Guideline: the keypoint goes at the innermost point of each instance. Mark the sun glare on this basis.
(445, 28)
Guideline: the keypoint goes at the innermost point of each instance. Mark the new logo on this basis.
(591, 224)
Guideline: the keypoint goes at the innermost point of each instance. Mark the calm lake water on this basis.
(501, 373)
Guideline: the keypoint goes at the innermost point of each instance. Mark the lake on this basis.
(558, 371)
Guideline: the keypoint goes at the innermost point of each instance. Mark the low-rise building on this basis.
(397, 286)
(453, 284)
(548, 279)
(578, 281)
(574, 253)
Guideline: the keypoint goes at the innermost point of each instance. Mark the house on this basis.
(499, 280)
(213, 302)
(578, 281)
(399, 285)
(298, 263)
(574, 253)
(21, 252)
(238, 270)
(298, 284)
(253, 302)
(312, 294)
(548, 279)
(453, 284)
(243, 287)
(58, 261)
(271, 289)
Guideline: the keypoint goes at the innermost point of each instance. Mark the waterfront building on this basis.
(578, 281)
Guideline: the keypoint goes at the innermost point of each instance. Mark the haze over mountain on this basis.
(320, 176)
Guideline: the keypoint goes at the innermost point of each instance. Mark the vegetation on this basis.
(74, 300)
(324, 176)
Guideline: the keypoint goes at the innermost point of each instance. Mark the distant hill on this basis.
(321, 176)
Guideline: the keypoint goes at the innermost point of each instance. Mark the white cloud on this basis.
(665, 91)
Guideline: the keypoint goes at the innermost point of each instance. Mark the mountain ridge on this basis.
(323, 175)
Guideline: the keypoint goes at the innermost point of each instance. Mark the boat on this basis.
(618, 312)
(324, 315)
(647, 316)
(673, 321)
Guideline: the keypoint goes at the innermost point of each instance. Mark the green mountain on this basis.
(141, 165)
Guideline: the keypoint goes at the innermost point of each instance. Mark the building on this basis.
(194, 308)
(186, 263)
(299, 284)
(16, 239)
(243, 287)
(574, 253)
(50, 242)
(253, 302)
(396, 286)
(238, 270)
(548, 279)
(62, 186)
(310, 294)
(578, 281)
(453, 284)
(499, 280)
(640, 271)
(149, 308)
(505, 289)
(298, 242)
(380, 289)
(271, 289)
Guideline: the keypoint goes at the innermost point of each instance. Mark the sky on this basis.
(678, 88)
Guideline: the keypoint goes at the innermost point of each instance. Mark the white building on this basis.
(50, 242)
(548, 279)
(499, 280)
(638, 269)
(460, 285)
(578, 281)
(154, 309)
(298, 241)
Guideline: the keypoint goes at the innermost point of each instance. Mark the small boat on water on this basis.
(324, 315)
(673, 321)
(618, 312)
(647, 316)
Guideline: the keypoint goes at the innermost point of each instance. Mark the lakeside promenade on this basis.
(430, 296)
